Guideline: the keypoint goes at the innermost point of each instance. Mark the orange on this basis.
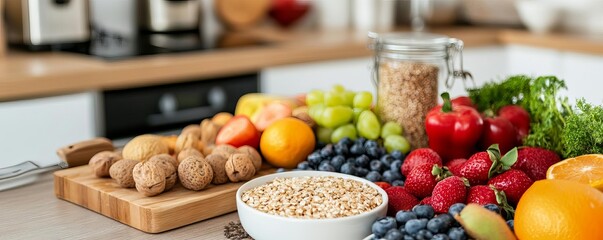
(559, 209)
(585, 169)
(287, 142)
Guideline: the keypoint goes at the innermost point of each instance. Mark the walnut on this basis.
(218, 165)
(169, 165)
(209, 131)
(193, 128)
(121, 171)
(187, 152)
(187, 140)
(195, 173)
(256, 159)
(208, 149)
(143, 147)
(239, 167)
(305, 117)
(102, 161)
(149, 178)
(224, 149)
(220, 119)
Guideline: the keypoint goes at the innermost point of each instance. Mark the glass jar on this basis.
(406, 72)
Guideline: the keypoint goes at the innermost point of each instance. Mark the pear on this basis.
(481, 223)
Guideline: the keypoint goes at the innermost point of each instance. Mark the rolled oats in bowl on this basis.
(313, 197)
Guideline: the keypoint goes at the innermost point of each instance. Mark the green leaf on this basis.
(509, 158)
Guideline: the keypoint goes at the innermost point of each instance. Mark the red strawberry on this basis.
(383, 185)
(423, 178)
(419, 157)
(513, 182)
(481, 195)
(454, 165)
(399, 199)
(483, 165)
(447, 192)
(535, 161)
(426, 201)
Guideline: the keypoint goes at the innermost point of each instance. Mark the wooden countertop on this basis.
(26, 75)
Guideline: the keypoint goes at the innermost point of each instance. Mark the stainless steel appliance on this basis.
(46, 22)
(170, 15)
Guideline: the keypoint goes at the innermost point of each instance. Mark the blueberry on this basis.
(397, 155)
(361, 140)
(346, 141)
(373, 176)
(305, 165)
(357, 149)
(327, 151)
(511, 224)
(337, 161)
(440, 236)
(351, 161)
(456, 208)
(314, 159)
(280, 170)
(370, 144)
(404, 216)
(408, 237)
(387, 159)
(423, 211)
(361, 172)
(457, 233)
(396, 166)
(393, 234)
(448, 220)
(423, 235)
(492, 207)
(390, 176)
(363, 161)
(382, 151)
(348, 168)
(326, 167)
(414, 225)
(382, 225)
(436, 225)
(373, 152)
(341, 149)
(398, 183)
(376, 165)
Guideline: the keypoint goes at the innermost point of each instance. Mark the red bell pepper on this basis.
(453, 130)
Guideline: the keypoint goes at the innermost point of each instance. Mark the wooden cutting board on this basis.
(172, 209)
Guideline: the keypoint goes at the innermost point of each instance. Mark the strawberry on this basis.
(419, 157)
(535, 161)
(399, 199)
(513, 182)
(449, 191)
(483, 165)
(422, 179)
(383, 185)
(454, 165)
(481, 195)
(426, 201)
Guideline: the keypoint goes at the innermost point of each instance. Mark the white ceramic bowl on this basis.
(537, 15)
(265, 226)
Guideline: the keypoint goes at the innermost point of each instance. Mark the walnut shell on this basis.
(169, 165)
(143, 147)
(102, 161)
(239, 167)
(208, 149)
(195, 173)
(220, 119)
(209, 131)
(218, 165)
(149, 178)
(193, 128)
(225, 149)
(187, 152)
(188, 140)
(170, 141)
(256, 159)
(122, 170)
(305, 117)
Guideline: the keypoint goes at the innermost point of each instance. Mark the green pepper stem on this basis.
(447, 106)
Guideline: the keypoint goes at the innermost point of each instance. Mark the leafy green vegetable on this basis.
(583, 131)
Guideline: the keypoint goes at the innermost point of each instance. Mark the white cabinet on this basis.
(581, 73)
(33, 129)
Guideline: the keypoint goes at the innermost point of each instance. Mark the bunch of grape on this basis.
(341, 113)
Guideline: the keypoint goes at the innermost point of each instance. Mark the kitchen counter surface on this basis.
(27, 75)
(33, 212)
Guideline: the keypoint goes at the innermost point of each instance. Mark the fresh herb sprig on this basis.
(583, 131)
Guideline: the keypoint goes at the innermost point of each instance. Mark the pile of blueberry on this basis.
(420, 223)
(361, 157)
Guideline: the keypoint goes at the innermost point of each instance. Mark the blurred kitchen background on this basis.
(71, 70)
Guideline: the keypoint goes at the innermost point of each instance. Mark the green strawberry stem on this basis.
(500, 164)
(440, 172)
(501, 199)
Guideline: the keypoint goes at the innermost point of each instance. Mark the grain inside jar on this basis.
(406, 92)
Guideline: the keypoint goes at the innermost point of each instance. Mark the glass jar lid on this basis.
(410, 41)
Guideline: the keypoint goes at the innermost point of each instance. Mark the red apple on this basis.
(270, 113)
(239, 131)
(287, 12)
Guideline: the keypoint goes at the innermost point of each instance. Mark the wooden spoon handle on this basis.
(78, 154)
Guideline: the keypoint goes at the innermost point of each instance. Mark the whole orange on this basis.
(287, 142)
(559, 209)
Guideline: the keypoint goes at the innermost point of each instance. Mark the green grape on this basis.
(396, 142)
(363, 100)
(334, 99)
(347, 130)
(315, 112)
(348, 97)
(368, 125)
(336, 116)
(314, 97)
(390, 128)
(357, 112)
(338, 88)
(324, 134)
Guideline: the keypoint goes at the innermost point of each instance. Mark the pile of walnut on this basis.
(153, 164)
